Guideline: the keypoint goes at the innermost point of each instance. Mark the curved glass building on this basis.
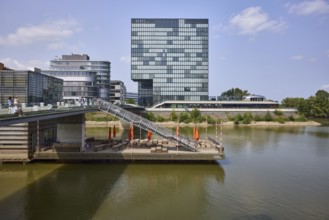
(78, 70)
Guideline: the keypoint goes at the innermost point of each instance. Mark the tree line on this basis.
(313, 107)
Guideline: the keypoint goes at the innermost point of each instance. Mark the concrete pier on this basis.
(124, 150)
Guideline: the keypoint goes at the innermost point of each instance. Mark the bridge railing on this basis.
(143, 123)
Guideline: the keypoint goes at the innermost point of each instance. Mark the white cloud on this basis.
(309, 7)
(29, 65)
(13, 64)
(297, 57)
(253, 20)
(47, 32)
(125, 59)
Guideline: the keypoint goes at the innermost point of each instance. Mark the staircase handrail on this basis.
(143, 123)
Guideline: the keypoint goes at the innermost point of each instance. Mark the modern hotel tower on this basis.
(169, 59)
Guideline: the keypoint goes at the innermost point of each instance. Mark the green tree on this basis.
(258, 118)
(160, 118)
(247, 118)
(210, 120)
(238, 117)
(173, 115)
(315, 106)
(268, 116)
(183, 116)
(151, 116)
(234, 94)
(195, 114)
(321, 104)
(130, 101)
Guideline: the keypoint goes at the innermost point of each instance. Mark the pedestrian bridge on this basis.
(24, 135)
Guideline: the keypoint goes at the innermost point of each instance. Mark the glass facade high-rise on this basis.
(30, 87)
(75, 68)
(169, 59)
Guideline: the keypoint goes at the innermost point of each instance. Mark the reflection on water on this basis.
(268, 173)
(85, 191)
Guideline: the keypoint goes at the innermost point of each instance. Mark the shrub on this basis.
(188, 120)
(195, 113)
(151, 116)
(238, 117)
(236, 121)
(183, 116)
(258, 118)
(278, 112)
(160, 118)
(280, 120)
(301, 118)
(173, 116)
(268, 116)
(211, 120)
(246, 120)
(200, 119)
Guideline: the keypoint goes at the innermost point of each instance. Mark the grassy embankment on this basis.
(195, 117)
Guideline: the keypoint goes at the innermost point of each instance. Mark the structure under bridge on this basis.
(59, 134)
(145, 124)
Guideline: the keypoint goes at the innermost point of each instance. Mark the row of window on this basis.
(88, 63)
(164, 56)
(158, 70)
(168, 51)
(183, 93)
(187, 88)
(140, 39)
(168, 42)
(197, 57)
(180, 78)
(79, 88)
(200, 74)
(148, 47)
(153, 26)
(155, 64)
(192, 34)
(198, 69)
(176, 29)
(196, 82)
(70, 83)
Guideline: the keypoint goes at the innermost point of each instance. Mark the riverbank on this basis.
(92, 124)
(231, 123)
(227, 123)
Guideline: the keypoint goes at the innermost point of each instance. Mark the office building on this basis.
(78, 70)
(30, 87)
(118, 91)
(169, 59)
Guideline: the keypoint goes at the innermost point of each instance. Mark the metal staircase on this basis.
(143, 123)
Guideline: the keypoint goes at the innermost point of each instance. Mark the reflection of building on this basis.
(133, 96)
(169, 59)
(78, 72)
(30, 87)
(118, 91)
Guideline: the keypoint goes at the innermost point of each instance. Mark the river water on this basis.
(268, 173)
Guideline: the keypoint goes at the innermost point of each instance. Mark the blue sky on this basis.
(274, 48)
